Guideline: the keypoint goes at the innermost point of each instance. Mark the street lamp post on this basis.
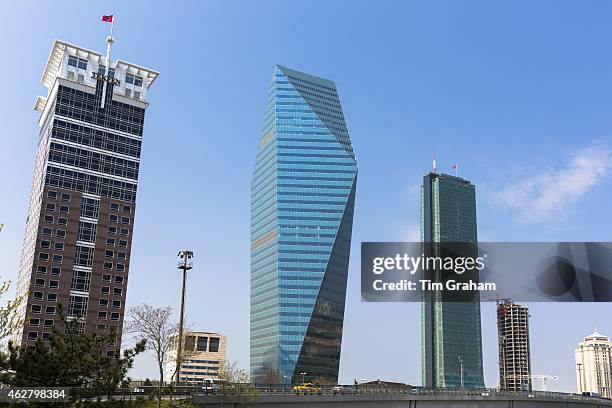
(580, 376)
(303, 374)
(185, 264)
(460, 359)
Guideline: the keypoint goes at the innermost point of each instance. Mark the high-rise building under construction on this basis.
(514, 355)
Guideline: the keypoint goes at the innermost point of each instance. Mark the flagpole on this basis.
(109, 43)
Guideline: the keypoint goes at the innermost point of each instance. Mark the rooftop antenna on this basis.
(456, 169)
(434, 166)
(109, 44)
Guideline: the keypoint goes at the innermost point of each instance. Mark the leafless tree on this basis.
(10, 318)
(157, 327)
(237, 381)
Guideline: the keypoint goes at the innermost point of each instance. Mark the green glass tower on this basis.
(451, 332)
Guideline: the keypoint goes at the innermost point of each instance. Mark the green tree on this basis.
(91, 362)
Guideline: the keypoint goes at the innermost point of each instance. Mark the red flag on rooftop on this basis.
(108, 19)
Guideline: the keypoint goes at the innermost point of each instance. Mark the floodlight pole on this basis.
(185, 264)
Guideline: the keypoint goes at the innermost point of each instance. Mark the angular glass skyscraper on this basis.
(302, 200)
(451, 333)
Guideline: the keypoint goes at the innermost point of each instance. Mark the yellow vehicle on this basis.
(307, 389)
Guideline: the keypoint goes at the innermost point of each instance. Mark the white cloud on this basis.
(549, 192)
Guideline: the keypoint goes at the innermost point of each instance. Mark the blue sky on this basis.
(517, 93)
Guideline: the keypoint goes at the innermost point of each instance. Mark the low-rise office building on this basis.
(203, 357)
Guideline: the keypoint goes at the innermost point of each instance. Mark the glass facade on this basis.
(451, 332)
(302, 200)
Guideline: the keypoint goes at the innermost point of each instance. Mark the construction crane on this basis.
(544, 378)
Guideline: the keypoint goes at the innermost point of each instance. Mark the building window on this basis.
(83, 256)
(50, 310)
(112, 230)
(133, 79)
(108, 266)
(103, 302)
(64, 209)
(52, 194)
(110, 241)
(213, 347)
(37, 295)
(105, 290)
(118, 279)
(77, 62)
(102, 315)
(77, 306)
(125, 232)
(32, 335)
(109, 254)
(128, 92)
(43, 257)
(36, 309)
(53, 284)
(106, 278)
(120, 267)
(50, 207)
(90, 208)
(116, 304)
(62, 222)
(127, 208)
(44, 244)
(46, 336)
(202, 343)
(40, 269)
(39, 283)
(114, 316)
(34, 321)
(58, 259)
(47, 232)
(125, 220)
(121, 255)
(65, 197)
(48, 323)
(122, 243)
(49, 219)
(52, 297)
(59, 246)
(56, 271)
(81, 281)
(87, 231)
(117, 291)
(114, 207)
(113, 218)
(61, 234)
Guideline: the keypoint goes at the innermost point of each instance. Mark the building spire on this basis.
(434, 166)
(109, 44)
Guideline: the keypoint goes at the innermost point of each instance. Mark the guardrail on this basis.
(365, 389)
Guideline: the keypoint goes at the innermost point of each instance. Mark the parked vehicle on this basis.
(307, 389)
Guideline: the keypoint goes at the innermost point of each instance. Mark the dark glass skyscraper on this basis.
(451, 332)
(302, 200)
(78, 237)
